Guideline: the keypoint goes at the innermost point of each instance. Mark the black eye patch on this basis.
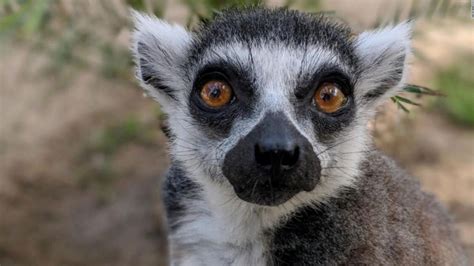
(325, 125)
(217, 123)
(308, 83)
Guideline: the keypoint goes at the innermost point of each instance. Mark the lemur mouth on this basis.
(269, 194)
(272, 164)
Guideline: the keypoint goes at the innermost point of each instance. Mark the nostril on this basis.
(290, 157)
(276, 157)
(263, 157)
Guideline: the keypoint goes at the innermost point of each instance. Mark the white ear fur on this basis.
(383, 55)
(159, 48)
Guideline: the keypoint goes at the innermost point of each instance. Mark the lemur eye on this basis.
(216, 93)
(329, 98)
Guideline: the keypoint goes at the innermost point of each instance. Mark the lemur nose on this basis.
(276, 158)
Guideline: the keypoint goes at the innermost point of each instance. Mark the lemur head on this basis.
(269, 105)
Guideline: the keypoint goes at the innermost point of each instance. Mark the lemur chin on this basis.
(272, 162)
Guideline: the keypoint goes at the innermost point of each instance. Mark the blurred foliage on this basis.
(204, 10)
(428, 9)
(77, 34)
(457, 82)
(96, 170)
(25, 17)
(153, 7)
(116, 136)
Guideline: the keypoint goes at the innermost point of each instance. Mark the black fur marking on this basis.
(307, 84)
(178, 189)
(165, 128)
(392, 78)
(325, 125)
(217, 123)
(149, 75)
(257, 26)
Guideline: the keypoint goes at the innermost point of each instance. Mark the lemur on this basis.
(271, 159)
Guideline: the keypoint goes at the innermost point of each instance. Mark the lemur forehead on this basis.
(260, 26)
(277, 61)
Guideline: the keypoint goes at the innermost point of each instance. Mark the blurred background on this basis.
(82, 154)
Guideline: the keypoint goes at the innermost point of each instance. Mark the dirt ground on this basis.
(65, 203)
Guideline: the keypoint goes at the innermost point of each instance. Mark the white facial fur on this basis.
(276, 67)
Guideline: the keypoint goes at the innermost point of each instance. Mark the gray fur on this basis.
(386, 220)
(356, 207)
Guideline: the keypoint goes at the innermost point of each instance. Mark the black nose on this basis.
(276, 156)
(272, 163)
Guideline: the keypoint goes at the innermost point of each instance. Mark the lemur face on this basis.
(269, 106)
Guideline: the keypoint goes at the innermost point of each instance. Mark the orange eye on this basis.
(329, 97)
(216, 93)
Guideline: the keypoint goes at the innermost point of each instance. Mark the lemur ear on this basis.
(159, 48)
(383, 57)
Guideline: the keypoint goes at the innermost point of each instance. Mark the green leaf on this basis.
(416, 89)
(36, 16)
(405, 100)
(401, 106)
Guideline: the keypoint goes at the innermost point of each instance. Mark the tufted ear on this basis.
(159, 49)
(383, 58)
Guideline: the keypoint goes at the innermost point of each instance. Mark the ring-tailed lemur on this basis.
(272, 163)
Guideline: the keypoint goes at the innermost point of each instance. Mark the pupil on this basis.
(215, 92)
(326, 97)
